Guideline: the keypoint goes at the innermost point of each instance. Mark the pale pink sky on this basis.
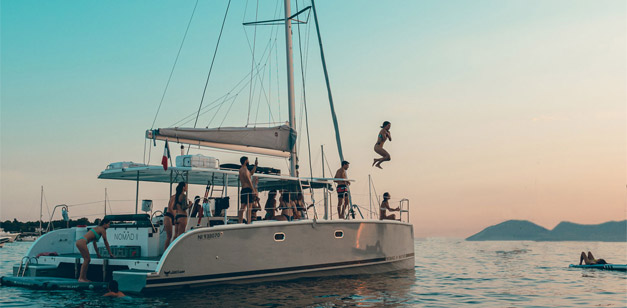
(511, 110)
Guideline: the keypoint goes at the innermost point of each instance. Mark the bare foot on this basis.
(374, 162)
(83, 280)
(379, 166)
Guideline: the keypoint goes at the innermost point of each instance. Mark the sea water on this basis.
(447, 273)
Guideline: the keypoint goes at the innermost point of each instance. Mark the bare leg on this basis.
(384, 153)
(181, 226)
(585, 259)
(590, 257)
(85, 266)
(248, 214)
(339, 207)
(240, 214)
(344, 206)
(167, 224)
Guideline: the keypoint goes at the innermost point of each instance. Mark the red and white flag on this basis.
(166, 156)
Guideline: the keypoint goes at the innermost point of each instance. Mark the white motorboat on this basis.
(217, 249)
(9, 235)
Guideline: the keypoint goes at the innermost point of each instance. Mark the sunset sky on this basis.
(500, 109)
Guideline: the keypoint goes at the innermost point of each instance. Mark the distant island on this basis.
(523, 230)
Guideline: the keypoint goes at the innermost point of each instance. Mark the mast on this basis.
(290, 83)
(41, 201)
(326, 78)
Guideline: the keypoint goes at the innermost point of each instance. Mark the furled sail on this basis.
(275, 141)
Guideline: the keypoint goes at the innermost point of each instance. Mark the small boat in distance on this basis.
(9, 235)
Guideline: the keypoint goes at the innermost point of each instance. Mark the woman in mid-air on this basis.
(384, 135)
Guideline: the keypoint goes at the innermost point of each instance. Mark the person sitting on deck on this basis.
(270, 206)
(92, 235)
(113, 290)
(255, 207)
(286, 206)
(385, 205)
(589, 259)
(248, 190)
(300, 206)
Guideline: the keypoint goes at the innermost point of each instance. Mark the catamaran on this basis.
(216, 248)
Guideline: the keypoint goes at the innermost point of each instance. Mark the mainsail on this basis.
(275, 141)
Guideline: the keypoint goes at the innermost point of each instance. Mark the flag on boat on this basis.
(166, 156)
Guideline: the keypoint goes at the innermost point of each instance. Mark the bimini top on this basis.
(203, 176)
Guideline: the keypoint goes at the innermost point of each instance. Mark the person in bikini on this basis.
(270, 205)
(179, 204)
(385, 205)
(589, 259)
(342, 189)
(92, 236)
(384, 134)
(286, 205)
(248, 191)
(300, 206)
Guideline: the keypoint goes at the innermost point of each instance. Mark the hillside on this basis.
(520, 230)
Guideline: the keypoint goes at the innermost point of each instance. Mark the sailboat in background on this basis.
(217, 249)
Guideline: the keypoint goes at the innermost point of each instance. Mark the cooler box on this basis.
(198, 160)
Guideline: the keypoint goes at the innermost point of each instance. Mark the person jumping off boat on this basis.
(589, 259)
(384, 134)
(248, 191)
(93, 235)
(342, 189)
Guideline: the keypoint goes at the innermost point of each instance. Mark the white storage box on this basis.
(198, 160)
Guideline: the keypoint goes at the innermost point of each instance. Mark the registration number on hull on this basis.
(210, 236)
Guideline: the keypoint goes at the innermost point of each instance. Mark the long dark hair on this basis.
(179, 191)
(271, 200)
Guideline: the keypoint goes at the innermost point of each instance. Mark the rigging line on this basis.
(278, 76)
(190, 116)
(144, 156)
(328, 165)
(252, 65)
(46, 201)
(267, 49)
(183, 120)
(216, 113)
(227, 112)
(304, 95)
(227, 98)
(215, 52)
(173, 66)
(86, 203)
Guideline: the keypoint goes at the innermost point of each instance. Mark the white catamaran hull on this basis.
(277, 250)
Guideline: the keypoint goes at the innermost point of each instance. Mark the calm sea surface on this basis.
(448, 273)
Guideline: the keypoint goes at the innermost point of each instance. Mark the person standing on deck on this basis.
(92, 236)
(248, 190)
(342, 189)
(384, 134)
